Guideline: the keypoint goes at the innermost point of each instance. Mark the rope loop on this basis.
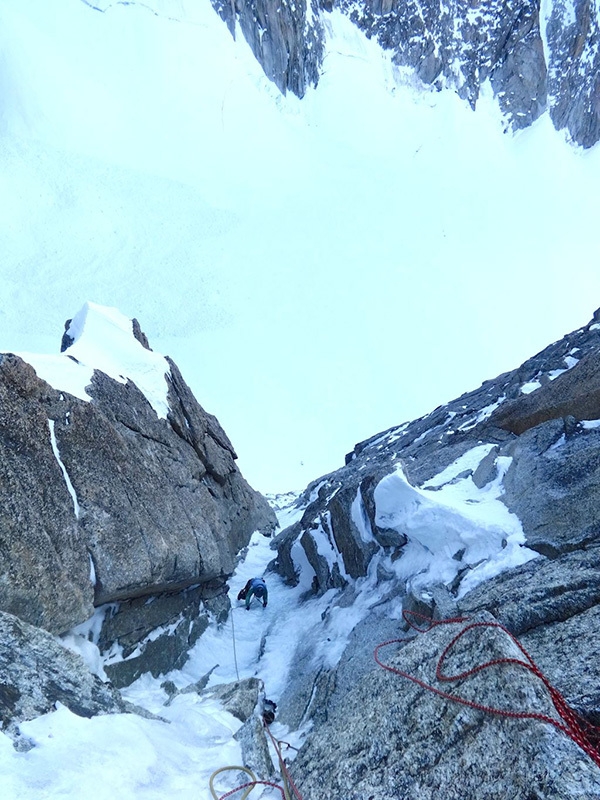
(582, 732)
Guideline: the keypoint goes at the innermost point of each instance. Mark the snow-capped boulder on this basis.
(116, 483)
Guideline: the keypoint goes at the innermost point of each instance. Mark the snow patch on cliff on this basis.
(461, 527)
(103, 340)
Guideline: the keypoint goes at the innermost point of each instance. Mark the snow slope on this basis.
(319, 269)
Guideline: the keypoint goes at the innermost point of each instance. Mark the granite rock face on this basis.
(531, 439)
(534, 64)
(105, 502)
(392, 738)
(36, 672)
(44, 562)
(285, 36)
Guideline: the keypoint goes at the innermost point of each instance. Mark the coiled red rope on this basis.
(583, 733)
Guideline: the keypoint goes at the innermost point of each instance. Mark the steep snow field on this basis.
(319, 269)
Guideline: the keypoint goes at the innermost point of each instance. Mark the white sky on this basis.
(320, 269)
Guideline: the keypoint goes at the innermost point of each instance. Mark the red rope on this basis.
(283, 765)
(284, 770)
(586, 735)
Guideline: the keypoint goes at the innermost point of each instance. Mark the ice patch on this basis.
(55, 450)
(360, 518)
(530, 387)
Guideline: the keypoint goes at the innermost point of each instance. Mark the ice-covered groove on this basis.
(360, 518)
(92, 571)
(68, 483)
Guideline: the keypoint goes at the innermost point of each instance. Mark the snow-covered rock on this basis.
(116, 482)
(536, 58)
(460, 517)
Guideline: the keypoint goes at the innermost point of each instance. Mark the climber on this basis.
(255, 587)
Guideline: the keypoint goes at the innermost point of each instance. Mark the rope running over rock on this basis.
(583, 733)
(288, 790)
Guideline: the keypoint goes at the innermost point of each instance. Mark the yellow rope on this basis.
(226, 769)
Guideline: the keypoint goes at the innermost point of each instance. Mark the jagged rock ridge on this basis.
(533, 65)
(530, 439)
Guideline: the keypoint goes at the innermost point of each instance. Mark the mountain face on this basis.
(485, 512)
(116, 498)
(533, 65)
(463, 548)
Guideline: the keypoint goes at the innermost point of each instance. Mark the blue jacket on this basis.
(258, 588)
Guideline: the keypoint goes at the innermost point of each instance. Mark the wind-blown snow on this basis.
(458, 525)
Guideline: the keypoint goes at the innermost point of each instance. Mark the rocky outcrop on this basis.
(104, 501)
(285, 36)
(533, 64)
(392, 737)
(154, 634)
(452, 45)
(574, 393)
(573, 57)
(36, 672)
(530, 439)
(552, 486)
(549, 471)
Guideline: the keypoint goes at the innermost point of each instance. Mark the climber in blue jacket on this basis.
(255, 587)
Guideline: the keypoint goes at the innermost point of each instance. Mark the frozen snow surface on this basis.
(344, 262)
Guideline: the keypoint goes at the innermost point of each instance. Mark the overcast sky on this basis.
(320, 269)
